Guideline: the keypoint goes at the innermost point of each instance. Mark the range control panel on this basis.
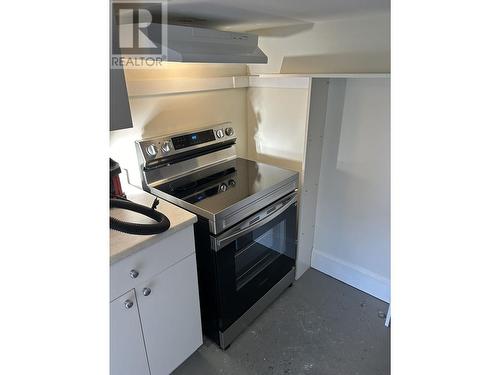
(193, 139)
(153, 151)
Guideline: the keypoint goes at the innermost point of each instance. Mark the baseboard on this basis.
(355, 276)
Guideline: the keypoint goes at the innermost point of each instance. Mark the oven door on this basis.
(252, 257)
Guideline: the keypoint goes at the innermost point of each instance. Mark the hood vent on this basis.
(199, 45)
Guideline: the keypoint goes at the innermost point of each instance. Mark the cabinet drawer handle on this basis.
(128, 304)
(133, 274)
(146, 292)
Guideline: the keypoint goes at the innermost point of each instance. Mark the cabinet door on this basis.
(127, 352)
(119, 110)
(170, 315)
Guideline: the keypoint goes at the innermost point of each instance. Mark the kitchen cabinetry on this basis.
(156, 324)
(170, 315)
(119, 113)
(128, 354)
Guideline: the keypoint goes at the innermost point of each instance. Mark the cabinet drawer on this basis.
(150, 261)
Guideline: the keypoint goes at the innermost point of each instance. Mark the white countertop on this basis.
(122, 245)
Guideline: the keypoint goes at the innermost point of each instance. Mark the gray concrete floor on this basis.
(318, 326)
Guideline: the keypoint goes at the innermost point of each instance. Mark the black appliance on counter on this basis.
(246, 234)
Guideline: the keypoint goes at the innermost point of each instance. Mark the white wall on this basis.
(352, 233)
(276, 120)
(355, 44)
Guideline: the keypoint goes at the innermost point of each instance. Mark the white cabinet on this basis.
(128, 355)
(162, 325)
(170, 315)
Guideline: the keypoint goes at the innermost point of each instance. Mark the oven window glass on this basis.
(257, 250)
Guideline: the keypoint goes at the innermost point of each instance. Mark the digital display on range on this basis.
(193, 139)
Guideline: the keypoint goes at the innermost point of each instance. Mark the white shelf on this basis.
(172, 86)
(327, 75)
(296, 82)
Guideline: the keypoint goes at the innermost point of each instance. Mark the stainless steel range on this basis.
(246, 234)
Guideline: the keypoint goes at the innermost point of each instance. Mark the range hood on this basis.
(200, 45)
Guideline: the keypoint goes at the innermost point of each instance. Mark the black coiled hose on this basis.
(134, 228)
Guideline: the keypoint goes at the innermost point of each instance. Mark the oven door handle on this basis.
(271, 212)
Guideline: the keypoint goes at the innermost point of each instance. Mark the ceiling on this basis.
(248, 15)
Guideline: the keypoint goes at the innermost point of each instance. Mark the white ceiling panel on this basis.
(246, 15)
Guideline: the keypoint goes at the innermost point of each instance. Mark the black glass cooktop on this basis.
(217, 188)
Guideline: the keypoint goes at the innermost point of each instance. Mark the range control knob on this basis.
(152, 150)
(220, 133)
(166, 146)
(134, 274)
(229, 132)
(223, 187)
